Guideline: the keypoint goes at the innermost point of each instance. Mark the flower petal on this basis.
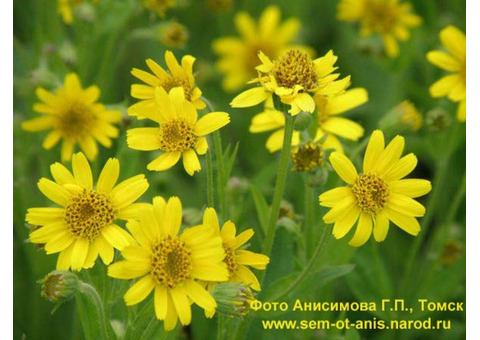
(363, 232)
(344, 167)
(211, 122)
(139, 291)
(250, 97)
(165, 161)
(109, 175)
(191, 162)
(82, 171)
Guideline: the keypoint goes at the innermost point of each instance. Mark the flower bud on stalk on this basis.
(59, 286)
(233, 299)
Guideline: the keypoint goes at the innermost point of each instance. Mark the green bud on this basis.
(59, 286)
(401, 119)
(303, 121)
(233, 299)
(438, 120)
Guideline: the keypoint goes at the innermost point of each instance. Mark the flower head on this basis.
(59, 286)
(176, 76)
(159, 6)
(84, 226)
(75, 116)
(391, 19)
(173, 34)
(295, 78)
(179, 133)
(329, 124)
(452, 86)
(376, 196)
(307, 157)
(236, 259)
(170, 263)
(238, 55)
(233, 299)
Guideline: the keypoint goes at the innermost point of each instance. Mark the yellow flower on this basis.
(294, 78)
(84, 226)
(236, 259)
(452, 86)
(175, 76)
(159, 6)
(169, 264)
(179, 134)
(327, 109)
(391, 19)
(376, 196)
(75, 116)
(238, 55)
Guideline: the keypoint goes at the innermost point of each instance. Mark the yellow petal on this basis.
(407, 223)
(250, 97)
(375, 147)
(446, 84)
(182, 304)
(201, 146)
(109, 175)
(117, 236)
(38, 124)
(340, 210)
(61, 175)
(82, 171)
(139, 291)
(165, 161)
(128, 191)
(443, 60)
(343, 127)
(411, 187)
(346, 101)
(199, 295)
(191, 162)
(79, 253)
(455, 41)
(390, 156)
(55, 192)
(402, 168)
(344, 167)
(161, 302)
(173, 216)
(363, 231)
(405, 205)
(343, 225)
(211, 122)
(332, 197)
(257, 261)
(380, 228)
(144, 139)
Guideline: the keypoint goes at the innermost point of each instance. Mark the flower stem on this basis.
(279, 186)
(309, 216)
(221, 327)
(92, 314)
(222, 199)
(210, 196)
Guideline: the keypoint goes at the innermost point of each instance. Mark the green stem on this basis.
(309, 216)
(279, 185)
(221, 180)
(151, 327)
(96, 315)
(221, 327)
(437, 190)
(210, 196)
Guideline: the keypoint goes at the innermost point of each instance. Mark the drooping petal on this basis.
(165, 161)
(363, 231)
(139, 291)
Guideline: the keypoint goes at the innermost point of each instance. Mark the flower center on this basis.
(76, 120)
(307, 157)
(88, 213)
(295, 68)
(177, 135)
(171, 261)
(230, 260)
(371, 192)
(172, 81)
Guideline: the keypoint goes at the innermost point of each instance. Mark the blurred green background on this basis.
(104, 48)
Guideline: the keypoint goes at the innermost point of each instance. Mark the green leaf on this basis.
(261, 206)
(229, 160)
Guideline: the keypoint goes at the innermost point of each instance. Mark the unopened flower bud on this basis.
(233, 299)
(59, 286)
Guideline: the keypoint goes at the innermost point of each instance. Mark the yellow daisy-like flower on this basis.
(409, 115)
(452, 86)
(169, 264)
(328, 108)
(159, 6)
(175, 76)
(294, 78)
(173, 34)
(84, 226)
(75, 116)
(238, 55)
(179, 134)
(391, 19)
(376, 196)
(236, 259)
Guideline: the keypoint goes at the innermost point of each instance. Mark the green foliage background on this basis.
(108, 48)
